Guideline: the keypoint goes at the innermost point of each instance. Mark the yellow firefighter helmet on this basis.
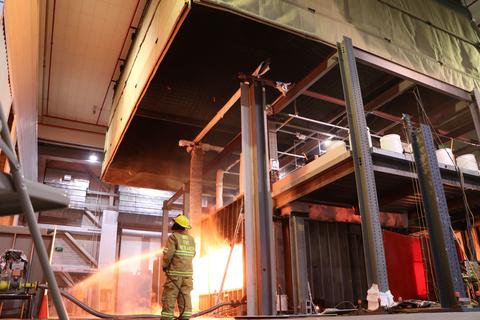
(182, 221)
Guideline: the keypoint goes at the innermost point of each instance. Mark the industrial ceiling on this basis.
(200, 73)
(84, 45)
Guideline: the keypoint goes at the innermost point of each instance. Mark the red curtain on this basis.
(405, 266)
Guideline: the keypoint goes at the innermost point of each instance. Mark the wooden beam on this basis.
(442, 133)
(318, 181)
(168, 203)
(299, 88)
(218, 161)
(406, 73)
(382, 99)
(388, 95)
(80, 248)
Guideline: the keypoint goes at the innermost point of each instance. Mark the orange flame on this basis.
(121, 288)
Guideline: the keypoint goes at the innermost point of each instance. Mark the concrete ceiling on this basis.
(84, 45)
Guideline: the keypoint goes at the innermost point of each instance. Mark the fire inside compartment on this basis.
(126, 286)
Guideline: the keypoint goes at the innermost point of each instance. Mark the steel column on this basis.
(260, 260)
(298, 251)
(273, 151)
(363, 165)
(165, 222)
(475, 111)
(447, 267)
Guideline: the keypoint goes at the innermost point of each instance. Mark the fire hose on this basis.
(135, 316)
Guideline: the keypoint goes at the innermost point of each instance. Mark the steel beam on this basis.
(363, 164)
(80, 248)
(398, 120)
(259, 242)
(174, 197)
(229, 104)
(475, 111)
(67, 279)
(299, 88)
(405, 73)
(324, 97)
(92, 218)
(447, 267)
(85, 230)
(382, 99)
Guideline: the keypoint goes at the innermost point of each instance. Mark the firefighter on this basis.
(178, 254)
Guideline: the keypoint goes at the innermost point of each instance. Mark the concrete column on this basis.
(107, 255)
(196, 182)
(219, 189)
(108, 239)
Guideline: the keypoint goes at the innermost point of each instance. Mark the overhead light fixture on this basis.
(93, 158)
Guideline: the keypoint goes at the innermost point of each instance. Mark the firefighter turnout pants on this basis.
(172, 295)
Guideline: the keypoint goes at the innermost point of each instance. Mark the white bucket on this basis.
(391, 142)
(445, 156)
(468, 162)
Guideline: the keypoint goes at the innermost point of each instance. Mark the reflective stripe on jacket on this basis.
(178, 254)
